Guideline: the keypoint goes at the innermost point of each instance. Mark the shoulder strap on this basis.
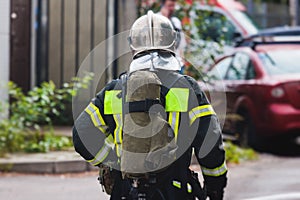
(123, 78)
(169, 78)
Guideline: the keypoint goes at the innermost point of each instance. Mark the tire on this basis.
(246, 132)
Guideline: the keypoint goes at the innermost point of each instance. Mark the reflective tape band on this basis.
(96, 117)
(177, 100)
(218, 171)
(112, 102)
(118, 134)
(200, 111)
(189, 188)
(104, 151)
(174, 122)
(177, 184)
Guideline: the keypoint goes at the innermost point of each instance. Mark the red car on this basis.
(222, 20)
(261, 84)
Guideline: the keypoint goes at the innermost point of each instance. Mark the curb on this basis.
(45, 163)
(48, 167)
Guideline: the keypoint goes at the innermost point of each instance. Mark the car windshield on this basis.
(247, 22)
(281, 62)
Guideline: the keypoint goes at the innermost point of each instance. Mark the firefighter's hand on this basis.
(215, 187)
(215, 194)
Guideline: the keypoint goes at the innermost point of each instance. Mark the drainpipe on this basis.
(4, 56)
(111, 27)
(42, 29)
(294, 12)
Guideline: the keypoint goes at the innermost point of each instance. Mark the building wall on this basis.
(4, 50)
(270, 13)
(79, 39)
(127, 16)
(76, 28)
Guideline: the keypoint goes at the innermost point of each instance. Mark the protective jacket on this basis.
(97, 137)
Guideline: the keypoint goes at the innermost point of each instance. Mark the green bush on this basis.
(236, 154)
(11, 137)
(46, 142)
(43, 104)
(40, 106)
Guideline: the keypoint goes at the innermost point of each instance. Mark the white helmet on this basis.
(152, 32)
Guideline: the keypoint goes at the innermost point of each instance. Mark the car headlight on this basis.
(277, 92)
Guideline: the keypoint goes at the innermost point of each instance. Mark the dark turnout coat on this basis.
(97, 137)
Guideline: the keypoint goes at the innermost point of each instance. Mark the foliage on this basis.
(236, 154)
(40, 106)
(205, 40)
(144, 5)
(15, 140)
(46, 142)
(11, 137)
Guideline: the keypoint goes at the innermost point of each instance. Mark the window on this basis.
(214, 26)
(281, 61)
(239, 67)
(251, 74)
(248, 23)
(219, 71)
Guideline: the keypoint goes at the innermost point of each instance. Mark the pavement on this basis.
(55, 162)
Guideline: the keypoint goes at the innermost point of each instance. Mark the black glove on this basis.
(215, 187)
(215, 194)
(198, 192)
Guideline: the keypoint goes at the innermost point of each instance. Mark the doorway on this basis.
(20, 28)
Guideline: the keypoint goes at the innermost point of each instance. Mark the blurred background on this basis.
(44, 42)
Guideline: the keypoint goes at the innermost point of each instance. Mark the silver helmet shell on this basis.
(152, 32)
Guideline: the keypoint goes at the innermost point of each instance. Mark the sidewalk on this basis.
(51, 162)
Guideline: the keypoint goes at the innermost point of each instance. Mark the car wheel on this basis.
(246, 134)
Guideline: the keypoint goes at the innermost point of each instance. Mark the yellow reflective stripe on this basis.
(96, 117)
(189, 188)
(177, 100)
(112, 102)
(118, 133)
(174, 122)
(200, 111)
(177, 184)
(218, 171)
(104, 151)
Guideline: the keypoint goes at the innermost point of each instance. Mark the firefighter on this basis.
(192, 125)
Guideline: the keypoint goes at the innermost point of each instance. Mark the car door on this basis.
(238, 79)
(215, 88)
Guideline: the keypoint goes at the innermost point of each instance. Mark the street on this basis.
(269, 177)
